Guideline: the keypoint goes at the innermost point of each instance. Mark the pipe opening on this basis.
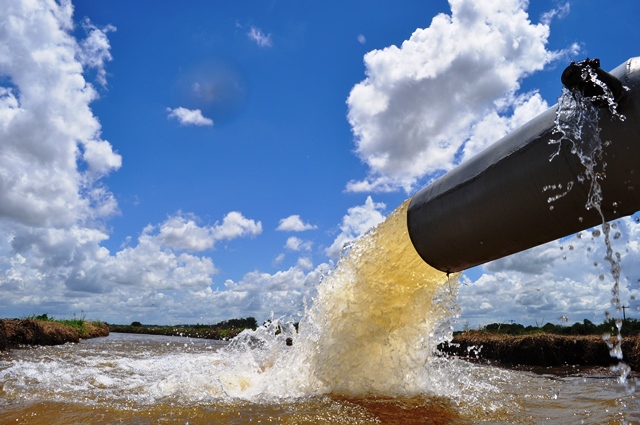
(592, 81)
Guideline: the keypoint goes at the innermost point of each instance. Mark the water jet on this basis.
(495, 204)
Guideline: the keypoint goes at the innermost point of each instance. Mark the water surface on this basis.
(148, 379)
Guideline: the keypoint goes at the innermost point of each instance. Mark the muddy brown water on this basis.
(147, 379)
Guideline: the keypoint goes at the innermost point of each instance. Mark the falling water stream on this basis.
(578, 123)
(365, 353)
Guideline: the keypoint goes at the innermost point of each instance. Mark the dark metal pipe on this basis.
(494, 205)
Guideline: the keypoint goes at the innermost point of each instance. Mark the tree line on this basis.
(224, 330)
(629, 327)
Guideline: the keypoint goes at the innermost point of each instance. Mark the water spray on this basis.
(512, 196)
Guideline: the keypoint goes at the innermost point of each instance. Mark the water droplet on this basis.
(551, 208)
(617, 235)
(580, 219)
(596, 233)
(579, 235)
(570, 247)
(564, 318)
(601, 277)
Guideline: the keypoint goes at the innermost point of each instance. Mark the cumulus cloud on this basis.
(75, 258)
(52, 155)
(357, 222)
(189, 116)
(255, 34)
(297, 244)
(55, 261)
(305, 263)
(95, 49)
(282, 293)
(182, 231)
(559, 12)
(568, 278)
(294, 223)
(54, 267)
(423, 102)
(235, 225)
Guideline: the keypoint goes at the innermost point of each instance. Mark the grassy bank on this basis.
(541, 349)
(16, 333)
(221, 331)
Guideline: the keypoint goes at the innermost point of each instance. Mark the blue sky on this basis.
(193, 162)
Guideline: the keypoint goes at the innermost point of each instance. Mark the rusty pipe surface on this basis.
(494, 204)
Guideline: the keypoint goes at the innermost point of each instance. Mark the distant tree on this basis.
(246, 323)
(136, 324)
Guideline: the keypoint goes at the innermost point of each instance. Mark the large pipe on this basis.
(494, 204)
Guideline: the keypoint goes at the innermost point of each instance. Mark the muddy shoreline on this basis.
(536, 350)
(17, 333)
(547, 350)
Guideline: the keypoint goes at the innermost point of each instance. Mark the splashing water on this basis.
(369, 338)
(374, 325)
(379, 315)
(577, 122)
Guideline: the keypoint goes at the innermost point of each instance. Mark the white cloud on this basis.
(294, 223)
(357, 222)
(95, 49)
(182, 231)
(559, 12)
(189, 116)
(297, 244)
(59, 267)
(235, 225)
(255, 34)
(55, 261)
(279, 259)
(305, 263)
(422, 102)
(282, 293)
(51, 156)
(561, 278)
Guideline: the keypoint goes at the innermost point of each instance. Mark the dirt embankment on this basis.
(542, 349)
(15, 333)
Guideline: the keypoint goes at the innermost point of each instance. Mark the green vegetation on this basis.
(222, 331)
(80, 324)
(586, 327)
